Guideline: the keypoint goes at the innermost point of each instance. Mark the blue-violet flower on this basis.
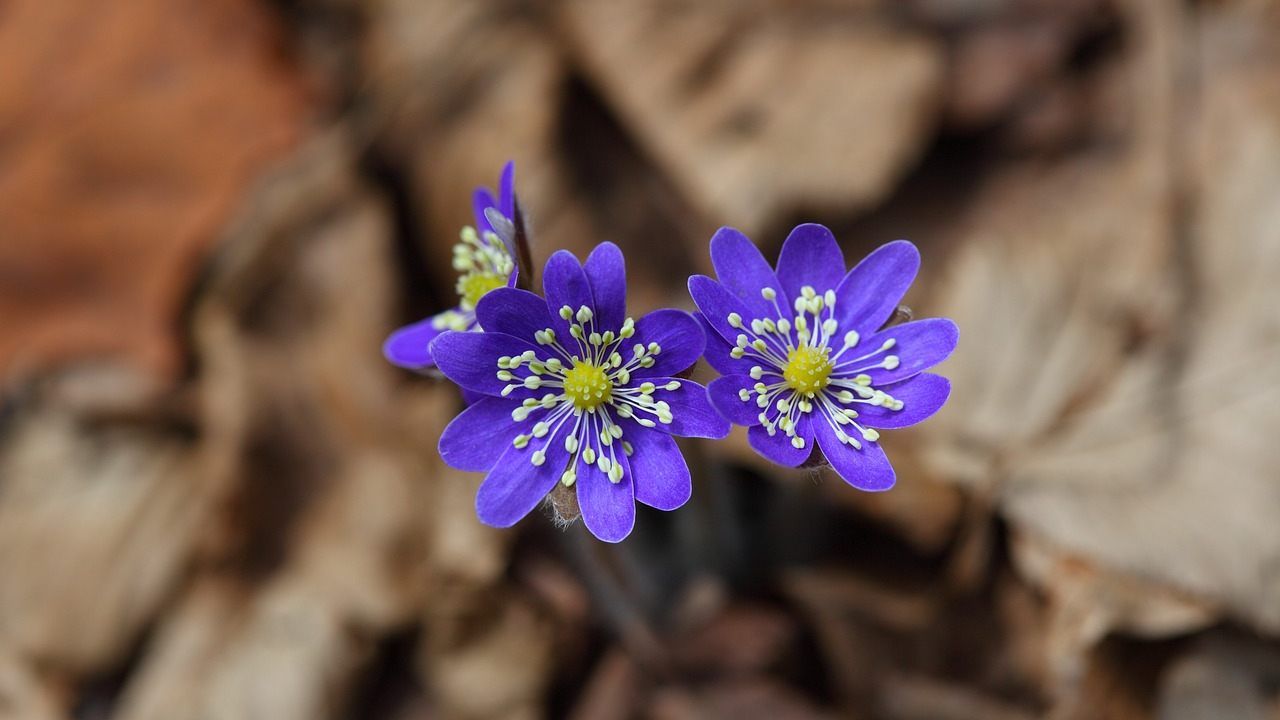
(806, 364)
(577, 393)
(483, 258)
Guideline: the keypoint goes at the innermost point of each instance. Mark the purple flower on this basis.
(576, 393)
(483, 259)
(803, 356)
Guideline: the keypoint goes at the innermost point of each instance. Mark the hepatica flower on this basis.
(483, 258)
(576, 393)
(805, 363)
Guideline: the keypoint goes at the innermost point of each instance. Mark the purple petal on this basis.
(564, 283)
(608, 508)
(868, 295)
(470, 359)
(470, 440)
(481, 200)
(778, 447)
(660, 474)
(866, 469)
(691, 411)
(921, 396)
(515, 485)
(744, 272)
(918, 345)
(716, 303)
(507, 190)
(717, 351)
(503, 227)
(410, 346)
(607, 274)
(810, 256)
(723, 392)
(679, 336)
(514, 312)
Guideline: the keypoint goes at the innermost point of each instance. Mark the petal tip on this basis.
(698, 284)
(400, 350)
(812, 227)
(903, 248)
(727, 234)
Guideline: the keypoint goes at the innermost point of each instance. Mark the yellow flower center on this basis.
(587, 385)
(807, 370)
(474, 285)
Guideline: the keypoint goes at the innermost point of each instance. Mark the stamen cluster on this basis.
(482, 257)
(484, 264)
(593, 384)
(797, 373)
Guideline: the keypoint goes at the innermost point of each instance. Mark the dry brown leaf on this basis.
(1223, 676)
(1086, 602)
(460, 89)
(612, 691)
(756, 114)
(322, 547)
(96, 527)
(487, 649)
(500, 669)
(1170, 473)
(747, 699)
(740, 640)
(24, 695)
(1082, 387)
(919, 698)
(130, 136)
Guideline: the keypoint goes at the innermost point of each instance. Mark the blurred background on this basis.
(218, 502)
